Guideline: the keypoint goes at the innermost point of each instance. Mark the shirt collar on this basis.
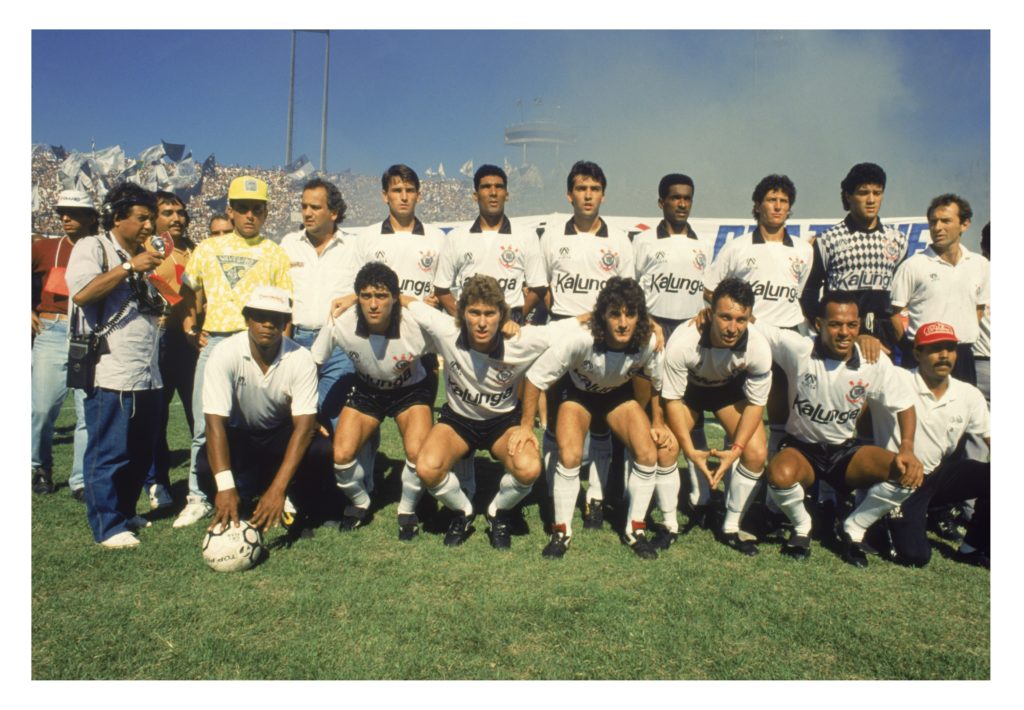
(417, 226)
(852, 226)
(662, 231)
(335, 237)
(602, 231)
(499, 352)
(394, 326)
(504, 228)
(758, 237)
(739, 347)
(924, 391)
(820, 353)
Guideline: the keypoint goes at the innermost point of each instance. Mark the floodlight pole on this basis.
(291, 101)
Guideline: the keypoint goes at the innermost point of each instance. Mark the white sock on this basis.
(566, 490)
(776, 433)
(666, 493)
(412, 490)
(465, 471)
(738, 496)
(641, 490)
(700, 492)
(510, 492)
(600, 451)
(449, 493)
(791, 502)
(351, 484)
(880, 499)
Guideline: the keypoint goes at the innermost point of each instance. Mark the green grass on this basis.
(364, 606)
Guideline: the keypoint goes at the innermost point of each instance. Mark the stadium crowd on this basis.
(287, 353)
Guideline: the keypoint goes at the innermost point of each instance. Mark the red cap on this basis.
(935, 333)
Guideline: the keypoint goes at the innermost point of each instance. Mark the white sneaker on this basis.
(159, 497)
(137, 523)
(195, 509)
(121, 540)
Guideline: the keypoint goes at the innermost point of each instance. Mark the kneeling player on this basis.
(602, 359)
(483, 369)
(829, 381)
(391, 382)
(727, 370)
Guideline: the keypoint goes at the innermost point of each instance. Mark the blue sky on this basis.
(726, 107)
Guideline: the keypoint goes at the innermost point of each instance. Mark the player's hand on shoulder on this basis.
(659, 336)
(701, 320)
(870, 347)
(510, 329)
(432, 301)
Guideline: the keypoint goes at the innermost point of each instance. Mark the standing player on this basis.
(829, 383)
(385, 344)
(601, 362)
(727, 370)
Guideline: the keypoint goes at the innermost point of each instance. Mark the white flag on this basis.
(467, 168)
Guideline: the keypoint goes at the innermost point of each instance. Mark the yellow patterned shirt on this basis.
(227, 269)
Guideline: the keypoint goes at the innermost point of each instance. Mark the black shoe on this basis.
(946, 525)
(458, 530)
(353, 518)
(853, 553)
(744, 547)
(699, 516)
(500, 531)
(78, 494)
(798, 547)
(640, 544)
(663, 538)
(558, 544)
(975, 558)
(593, 515)
(42, 481)
(408, 526)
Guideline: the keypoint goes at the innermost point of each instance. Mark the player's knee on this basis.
(755, 453)
(412, 451)
(526, 469)
(429, 469)
(343, 452)
(668, 455)
(570, 456)
(646, 454)
(780, 476)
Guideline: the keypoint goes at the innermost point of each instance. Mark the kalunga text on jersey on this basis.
(577, 284)
(772, 292)
(414, 287)
(667, 283)
(478, 398)
(818, 414)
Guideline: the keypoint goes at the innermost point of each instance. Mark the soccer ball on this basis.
(231, 549)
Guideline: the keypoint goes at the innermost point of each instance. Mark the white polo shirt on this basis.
(386, 361)
(317, 279)
(777, 271)
(670, 269)
(932, 289)
(940, 422)
(590, 369)
(235, 387)
(412, 255)
(510, 255)
(690, 357)
(826, 395)
(578, 265)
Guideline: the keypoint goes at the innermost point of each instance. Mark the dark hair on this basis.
(335, 202)
(403, 173)
(85, 215)
(481, 289)
(737, 289)
(584, 168)
(984, 240)
(673, 179)
(376, 273)
(842, 298)
(219, 215)
(860, 174)
(163, 197)
(623, 293)
(488, 170)
(773, 182)
(950, 199)
(119, 202)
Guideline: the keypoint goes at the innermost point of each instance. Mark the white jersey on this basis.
(412, 255)
(940, 422)
(482, 385)
(777, 271)
(510, 255)
(670, 269)
(317, 279)
(386, 361)
(826, 395)
(983, 345)
(690, 357)
(235, 387)
(932, 289)
(591, 369)
(578, 265)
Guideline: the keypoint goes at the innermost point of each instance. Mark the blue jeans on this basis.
(122, 433)
(334, 378)
(199, 420)
(49, 388)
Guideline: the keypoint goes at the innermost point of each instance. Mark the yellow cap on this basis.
(247, 187)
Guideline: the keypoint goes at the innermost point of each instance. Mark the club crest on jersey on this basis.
(856, 393)
(588, 366)
(797, 266)
(699, 260)
(426, 262)
(503, 374)
(402, 361)
(507, 257)
(809, 381)
(609, 260)
(892, 250)
(353, 356)
(933, 277)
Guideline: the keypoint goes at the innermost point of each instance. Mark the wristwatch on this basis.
(127, 266)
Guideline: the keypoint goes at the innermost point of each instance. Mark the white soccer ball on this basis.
(231, 549)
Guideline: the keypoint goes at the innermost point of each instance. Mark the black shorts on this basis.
(711, 399)
(480, 434)
(380, 403)
(599, 404)
(829, 461)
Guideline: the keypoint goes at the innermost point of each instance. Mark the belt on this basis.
(306, 328)
(982, 358)
(52, 316)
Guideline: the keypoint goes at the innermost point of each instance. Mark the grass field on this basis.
(364, 606)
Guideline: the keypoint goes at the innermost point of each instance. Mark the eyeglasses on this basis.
(257, 208)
